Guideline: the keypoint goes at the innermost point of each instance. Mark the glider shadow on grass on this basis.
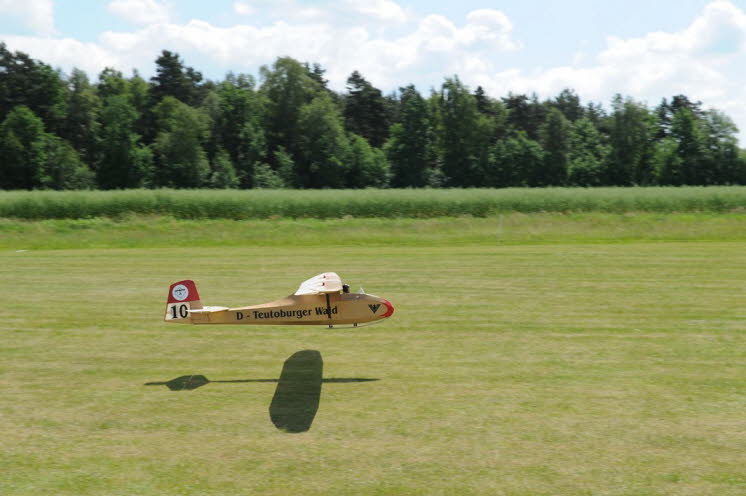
(297, 395)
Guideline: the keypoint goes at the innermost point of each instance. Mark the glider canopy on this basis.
(328, 282)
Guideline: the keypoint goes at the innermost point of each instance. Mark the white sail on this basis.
(328, 282)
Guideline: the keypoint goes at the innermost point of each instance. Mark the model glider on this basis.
(321, 300)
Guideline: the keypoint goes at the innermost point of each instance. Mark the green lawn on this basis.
(560, 362)
(511, 229)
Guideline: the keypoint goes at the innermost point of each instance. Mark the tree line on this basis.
(290, 130)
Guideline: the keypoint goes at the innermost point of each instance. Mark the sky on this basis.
(645, 49)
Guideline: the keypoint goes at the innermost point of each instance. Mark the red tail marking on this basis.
(182, 291)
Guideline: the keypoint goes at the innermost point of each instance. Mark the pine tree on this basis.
(81, 125)
(464, 135)
(632, 133)
(525, 114)
(365, 110)
(568, 102)
(175, 80)
(555, 139)
(690, 136)
(410, 142)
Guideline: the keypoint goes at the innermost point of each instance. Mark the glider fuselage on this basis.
(321, 309)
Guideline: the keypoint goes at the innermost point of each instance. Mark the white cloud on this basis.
(703, 61)
(142, 12)
(381, 10)
(434, 45)
(243, 8)
(66, 53)
(38, 15)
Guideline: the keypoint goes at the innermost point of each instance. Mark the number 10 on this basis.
(182, 311)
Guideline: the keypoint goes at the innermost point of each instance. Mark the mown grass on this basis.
(325, 204)
(560, 369)
(507, 229)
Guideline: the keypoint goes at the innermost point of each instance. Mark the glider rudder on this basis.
(182, 297)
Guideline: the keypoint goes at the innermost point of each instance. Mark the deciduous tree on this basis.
(322, 161)
(125, 163)
(23, 150)
(181, 161)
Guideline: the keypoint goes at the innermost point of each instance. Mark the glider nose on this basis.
(390, 309)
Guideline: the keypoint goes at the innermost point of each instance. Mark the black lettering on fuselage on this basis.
(280, 313)
(239, 315)
(325, 311)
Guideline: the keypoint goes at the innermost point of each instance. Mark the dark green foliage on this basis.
(33, 159)
(595, 113)
(222, 175)
(316, 72)
(666, 161)
(286, 88)
(81, 125)
(365, 110)
(483, 101)
(63, 168)
(124, 162)
(689, 134)
(555, 137)
(525, 114)
(516, 161)
(367, 165)
(23, 150)
(29, 82)
(463, 135)
(266, 178)
(632, 132)
(180, 158)
(295, 132)
(175, 80)
(324, 149)
(112, 83)
(410, 143)
(587, 155)
(724, 164)
(286, 168)
(568, 102)
(237, 125)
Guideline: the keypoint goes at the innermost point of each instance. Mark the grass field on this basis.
(580, 356)
(369, 203)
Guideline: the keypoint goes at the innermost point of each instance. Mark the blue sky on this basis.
(643, 49)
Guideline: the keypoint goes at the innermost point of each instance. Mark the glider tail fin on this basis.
(182, 297)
